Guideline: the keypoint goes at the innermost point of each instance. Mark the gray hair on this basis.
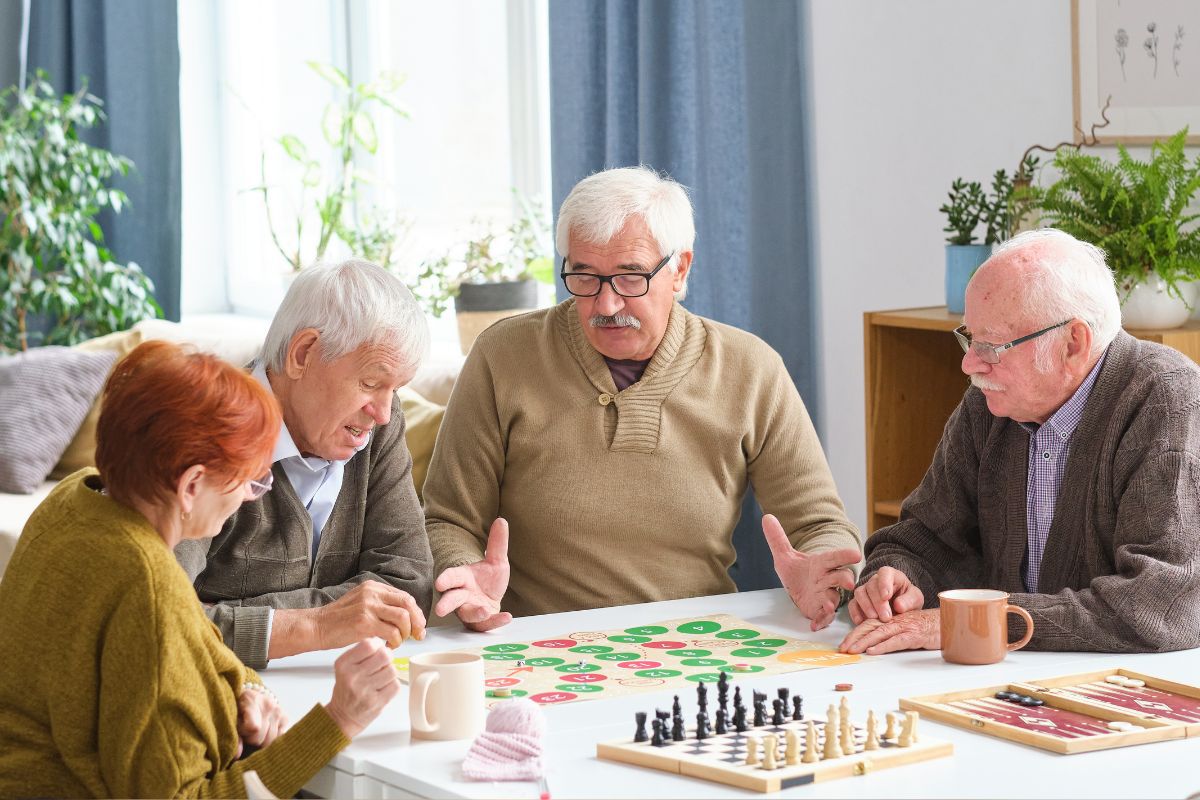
(350, 304)
(1068, 279)
(600, 205)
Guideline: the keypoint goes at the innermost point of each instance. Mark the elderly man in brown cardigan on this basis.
(1068, 476)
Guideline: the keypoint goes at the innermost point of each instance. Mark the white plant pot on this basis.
(1147, 305)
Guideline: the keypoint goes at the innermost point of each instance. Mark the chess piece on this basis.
(832, 748)
(739, 718)
(777, 718)
(657, 739)
(722, 688)
(797, 708)
(783, 695)
(701, 695)
(640, 735)
(676, 709)
(810, 743)
(847, 731)
(890, 733)
(760, 709)
(872, 734)
(913, 718)
(702, 729)
(792, 752)
(737, 696)
(752, 751)
(844, 707)
(721, 728)
(770, 751)
(906, 732)
(678, 733)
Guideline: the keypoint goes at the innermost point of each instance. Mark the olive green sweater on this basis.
(622, 497)
(113, 683)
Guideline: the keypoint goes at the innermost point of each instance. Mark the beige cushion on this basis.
(81, 452)
(422, 420)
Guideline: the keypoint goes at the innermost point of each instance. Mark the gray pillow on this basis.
(45, 394)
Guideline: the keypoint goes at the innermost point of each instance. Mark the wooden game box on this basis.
(720, 758)
(1076, 713)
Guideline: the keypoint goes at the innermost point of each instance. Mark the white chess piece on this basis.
(770, 749)
(872, 734)
(752, 751)
(792, 754)
(810, 743)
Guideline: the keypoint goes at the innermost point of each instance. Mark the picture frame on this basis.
(1140, 59)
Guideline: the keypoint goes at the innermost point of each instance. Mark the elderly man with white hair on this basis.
(1068, 476)
(336, 551)
(616, 433)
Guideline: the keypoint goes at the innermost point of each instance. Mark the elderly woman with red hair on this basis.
(113, 682)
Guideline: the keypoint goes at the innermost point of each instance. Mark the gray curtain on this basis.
(711, 92)
(129, 52)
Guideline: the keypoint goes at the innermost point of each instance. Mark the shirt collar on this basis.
(285, 446)
(1064, 421)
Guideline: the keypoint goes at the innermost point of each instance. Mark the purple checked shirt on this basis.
(1049, 445)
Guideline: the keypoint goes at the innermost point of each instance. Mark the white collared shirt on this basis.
(316, 480)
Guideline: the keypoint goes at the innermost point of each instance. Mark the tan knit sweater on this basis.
(622, 497)
(113, 683)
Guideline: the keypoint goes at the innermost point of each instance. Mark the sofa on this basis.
(236, 339)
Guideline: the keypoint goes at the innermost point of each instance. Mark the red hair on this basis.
(165, 409)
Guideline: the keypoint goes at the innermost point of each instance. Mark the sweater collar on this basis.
(593, 362)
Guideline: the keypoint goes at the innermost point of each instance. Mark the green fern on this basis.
(1138, 212)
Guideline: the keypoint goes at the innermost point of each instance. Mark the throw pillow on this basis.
(47, 392)
(81, 452)
(421, 422)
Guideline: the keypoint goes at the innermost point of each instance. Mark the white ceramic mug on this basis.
(446, 694)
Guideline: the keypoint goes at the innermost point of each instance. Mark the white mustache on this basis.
(980, 382)
(615, 321)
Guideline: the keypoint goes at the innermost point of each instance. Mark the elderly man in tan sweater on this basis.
(616, 433)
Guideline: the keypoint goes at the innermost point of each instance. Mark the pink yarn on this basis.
(510, 748)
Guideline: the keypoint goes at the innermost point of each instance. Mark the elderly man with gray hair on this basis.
(337, 550)
(1068, 476)
(616, 433)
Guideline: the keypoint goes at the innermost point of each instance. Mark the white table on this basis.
(384, 762)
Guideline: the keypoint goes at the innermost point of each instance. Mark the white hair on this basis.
(350, 304)
(599, 206)
(1068, 279)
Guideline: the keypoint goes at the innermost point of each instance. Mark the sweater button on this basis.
(605, 399)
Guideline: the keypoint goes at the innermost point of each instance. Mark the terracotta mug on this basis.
(975, 626)
(445, 698)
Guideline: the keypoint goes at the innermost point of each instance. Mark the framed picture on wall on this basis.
(1142, 58)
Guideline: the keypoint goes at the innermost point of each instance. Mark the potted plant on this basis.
(968, 207)
(331, 194)
(1138, 213)
(488, 277)
(58, 283)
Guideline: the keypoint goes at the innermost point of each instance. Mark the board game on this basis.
(770, 754)
(1073, 713)
(677, 653)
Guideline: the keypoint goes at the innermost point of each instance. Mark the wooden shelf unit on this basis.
(914, 380)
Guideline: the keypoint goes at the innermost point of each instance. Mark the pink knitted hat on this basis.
(510, 748)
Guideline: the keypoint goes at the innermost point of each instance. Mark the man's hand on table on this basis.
(474, 591)
(370, 609)
(886, 593)
(812, 580)
(912, 630)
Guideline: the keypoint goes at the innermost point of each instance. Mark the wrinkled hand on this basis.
(811, 580)
(887, 592)
(365, 681)
(474, 591)
(369, 609)
(260, 719)
(913, 630)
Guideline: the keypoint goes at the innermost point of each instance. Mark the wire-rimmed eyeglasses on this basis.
(990, 353)
(261, 486)
(626, 284)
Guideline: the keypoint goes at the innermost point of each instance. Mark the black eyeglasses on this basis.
(626, 284)
(990, 353)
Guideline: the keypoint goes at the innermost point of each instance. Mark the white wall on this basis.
(905, 97)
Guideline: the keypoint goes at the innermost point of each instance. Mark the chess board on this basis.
(675, 654)
(722, 757)
(1076, 713)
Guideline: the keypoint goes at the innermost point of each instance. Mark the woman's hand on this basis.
(260, 718)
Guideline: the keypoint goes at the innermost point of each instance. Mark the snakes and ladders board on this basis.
(1073, 713)
(675, 654)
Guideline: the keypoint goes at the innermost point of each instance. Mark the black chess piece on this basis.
(640, 736)
(760, 709)
(737, 696)
(676, 709)
(721, 728)
(701, 726)
(797, 707)
(722, 687)
(783, 695)
(701, 695)
(777, 717)
(657, 738)
(677, 732)
(739, 718)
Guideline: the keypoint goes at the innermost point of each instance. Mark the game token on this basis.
(1119, 680)
(502, 691)
(1134, 683)
(741, 667)
(843, 687)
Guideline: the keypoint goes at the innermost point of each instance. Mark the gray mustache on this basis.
(615, 320)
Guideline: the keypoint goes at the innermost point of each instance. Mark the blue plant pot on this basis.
(961, 262)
